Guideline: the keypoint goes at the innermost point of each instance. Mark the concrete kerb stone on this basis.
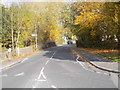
(10, 65)
(96, 66)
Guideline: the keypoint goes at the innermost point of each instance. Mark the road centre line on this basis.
(47, 62)
(33, 87)
(41, 72)
(53, 86)
(50, 58)
(53, 54)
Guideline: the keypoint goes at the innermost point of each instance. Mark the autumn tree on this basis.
(93, 22)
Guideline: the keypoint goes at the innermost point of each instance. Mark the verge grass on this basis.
(112, 54)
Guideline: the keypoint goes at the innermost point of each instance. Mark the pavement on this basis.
(57, 67)
(98, 60)
(6, 65)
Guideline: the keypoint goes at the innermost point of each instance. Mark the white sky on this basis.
(8, 2)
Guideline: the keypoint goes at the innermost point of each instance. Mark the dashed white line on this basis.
(42, 73)
(53, 54)
(20, 74)
(53, 86)
(47, 62)
(33, 87)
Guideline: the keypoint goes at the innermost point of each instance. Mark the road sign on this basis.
(34, 35)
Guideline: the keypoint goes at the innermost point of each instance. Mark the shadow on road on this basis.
(65, 53)
(61, 53)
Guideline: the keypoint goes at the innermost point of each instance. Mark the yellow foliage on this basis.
(89, 16)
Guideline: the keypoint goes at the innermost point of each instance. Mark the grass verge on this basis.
(112, 54)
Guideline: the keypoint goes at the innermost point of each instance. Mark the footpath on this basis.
(97, 61)
(5, 65)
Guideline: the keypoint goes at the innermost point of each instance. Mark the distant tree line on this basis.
(95, 24)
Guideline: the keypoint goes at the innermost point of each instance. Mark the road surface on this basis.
(54, 68)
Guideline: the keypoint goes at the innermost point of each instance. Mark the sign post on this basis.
(35, 35)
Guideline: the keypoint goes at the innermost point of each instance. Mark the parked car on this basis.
(69, 42)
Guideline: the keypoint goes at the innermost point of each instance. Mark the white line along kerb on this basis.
(24, 59)
(82, 64)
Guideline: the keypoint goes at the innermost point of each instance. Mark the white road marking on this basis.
(53, 54)
(47, 62)
(41, 74)
(86, 68)
(20, 74)
(82, 64)
(53, 86)
(41, 80)
(77, 58)
(24, 60)
(34, 87)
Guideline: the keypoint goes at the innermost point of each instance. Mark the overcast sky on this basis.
(8, 2)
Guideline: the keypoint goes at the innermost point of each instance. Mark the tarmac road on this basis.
(54, 68)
